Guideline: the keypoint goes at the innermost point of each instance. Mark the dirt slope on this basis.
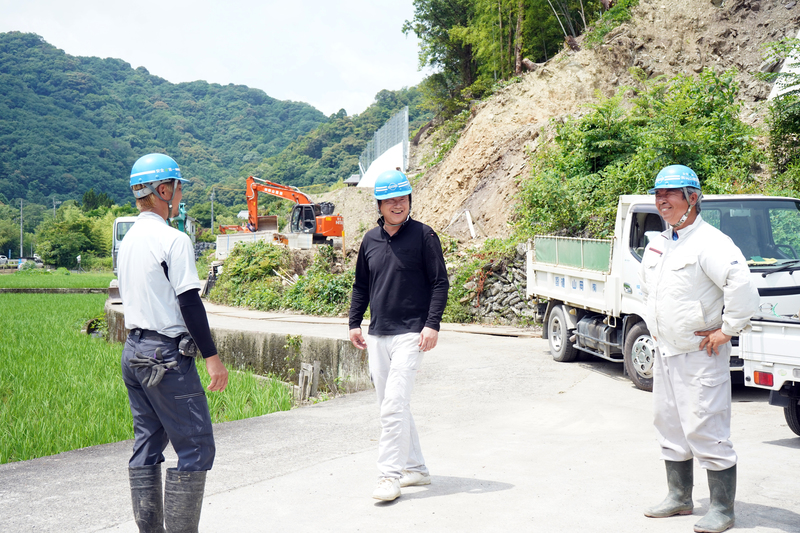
(480, 173)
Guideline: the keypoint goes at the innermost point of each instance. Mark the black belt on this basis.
(152, 334)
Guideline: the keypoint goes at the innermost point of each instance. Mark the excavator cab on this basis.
(304, 218)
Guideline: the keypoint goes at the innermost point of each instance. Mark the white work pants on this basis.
(692, 406)
(393, 364)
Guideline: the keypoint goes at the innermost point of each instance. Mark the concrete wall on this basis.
(341, 365)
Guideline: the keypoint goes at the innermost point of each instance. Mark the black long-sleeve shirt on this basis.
(402, 278)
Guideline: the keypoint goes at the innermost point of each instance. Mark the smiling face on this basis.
(672, 205)
(395, 210)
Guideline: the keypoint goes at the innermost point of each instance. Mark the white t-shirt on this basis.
(149, 298)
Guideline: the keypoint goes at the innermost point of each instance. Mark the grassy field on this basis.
(62, 279)
(61, 390)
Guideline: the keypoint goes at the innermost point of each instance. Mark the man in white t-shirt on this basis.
(160, 293)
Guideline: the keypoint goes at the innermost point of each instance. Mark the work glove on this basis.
(156, 365)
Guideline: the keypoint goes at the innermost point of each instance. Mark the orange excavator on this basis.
(306, 216)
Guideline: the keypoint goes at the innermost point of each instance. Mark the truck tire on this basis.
(640, 354)
(792, 415)
(558, 336)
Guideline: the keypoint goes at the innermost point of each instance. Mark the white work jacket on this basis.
(688, 282)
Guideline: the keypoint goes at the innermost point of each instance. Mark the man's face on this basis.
(395, 210)
(672, 204)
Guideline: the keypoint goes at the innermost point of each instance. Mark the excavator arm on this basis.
(256, 185)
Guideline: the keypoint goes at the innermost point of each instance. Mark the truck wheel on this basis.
(558, 335)
(792, 414)
(640, 354)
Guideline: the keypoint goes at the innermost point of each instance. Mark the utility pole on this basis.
(55, 203)
(212, 210)
(21, 250)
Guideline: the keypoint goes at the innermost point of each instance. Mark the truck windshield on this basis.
(766, 231)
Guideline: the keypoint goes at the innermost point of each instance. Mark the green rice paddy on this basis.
(60, 279)
(61, 390)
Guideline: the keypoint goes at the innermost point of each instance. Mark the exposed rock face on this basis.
(480, 174)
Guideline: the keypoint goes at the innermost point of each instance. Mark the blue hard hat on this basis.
(675, 177)
(391, 184)
(155, 167)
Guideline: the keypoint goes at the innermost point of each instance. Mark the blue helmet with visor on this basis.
(391, 184)
(151, 171)
(675, 177)
(683, 178)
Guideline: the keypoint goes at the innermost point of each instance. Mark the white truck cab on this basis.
(593, 294)
(121, 227)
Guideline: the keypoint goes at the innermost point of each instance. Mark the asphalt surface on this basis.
(514, 442)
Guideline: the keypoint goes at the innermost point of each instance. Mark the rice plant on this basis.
(59, 279)
(61, 390)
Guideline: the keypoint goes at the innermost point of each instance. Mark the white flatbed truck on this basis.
(591, 292)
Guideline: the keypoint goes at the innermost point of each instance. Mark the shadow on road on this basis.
(753, 515)
(787, 443)
(741, 393)
(447, 486)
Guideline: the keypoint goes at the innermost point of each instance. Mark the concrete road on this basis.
(514, 442)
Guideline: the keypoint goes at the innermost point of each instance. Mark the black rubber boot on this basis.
(183, 500)
(146, 497)
(722, 486)
(680, 478)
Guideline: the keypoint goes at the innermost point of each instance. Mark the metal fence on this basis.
(394, 132)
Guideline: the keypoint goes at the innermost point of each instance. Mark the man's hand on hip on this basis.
(427, 339)
(218, 373)
(357, 338)
(713, 339)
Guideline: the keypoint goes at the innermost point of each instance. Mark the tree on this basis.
(61, 242)
(92, 201)
(432, 24)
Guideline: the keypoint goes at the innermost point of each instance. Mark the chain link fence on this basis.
(394, 132)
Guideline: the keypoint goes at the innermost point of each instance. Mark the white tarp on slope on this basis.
(791, 65)
(391, 159)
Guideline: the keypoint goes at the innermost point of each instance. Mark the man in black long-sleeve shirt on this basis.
(401, 276)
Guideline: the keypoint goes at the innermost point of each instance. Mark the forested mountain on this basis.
(332, 150)
(72, 127)
(69, 124)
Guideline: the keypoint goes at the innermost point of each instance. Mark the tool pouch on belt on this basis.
(187, 347)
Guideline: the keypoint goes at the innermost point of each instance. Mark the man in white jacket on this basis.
(698, 294)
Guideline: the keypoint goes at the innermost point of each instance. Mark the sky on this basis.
(332, 54)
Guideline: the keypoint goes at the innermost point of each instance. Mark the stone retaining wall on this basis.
(342, 367)
(497, 293)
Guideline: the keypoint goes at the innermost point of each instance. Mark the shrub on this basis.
(618, 149)
(91, 263)
(250, 279)
(321, 291)
(620, 12)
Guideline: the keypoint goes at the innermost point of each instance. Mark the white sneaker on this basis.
(414, 479)
(388, 489)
